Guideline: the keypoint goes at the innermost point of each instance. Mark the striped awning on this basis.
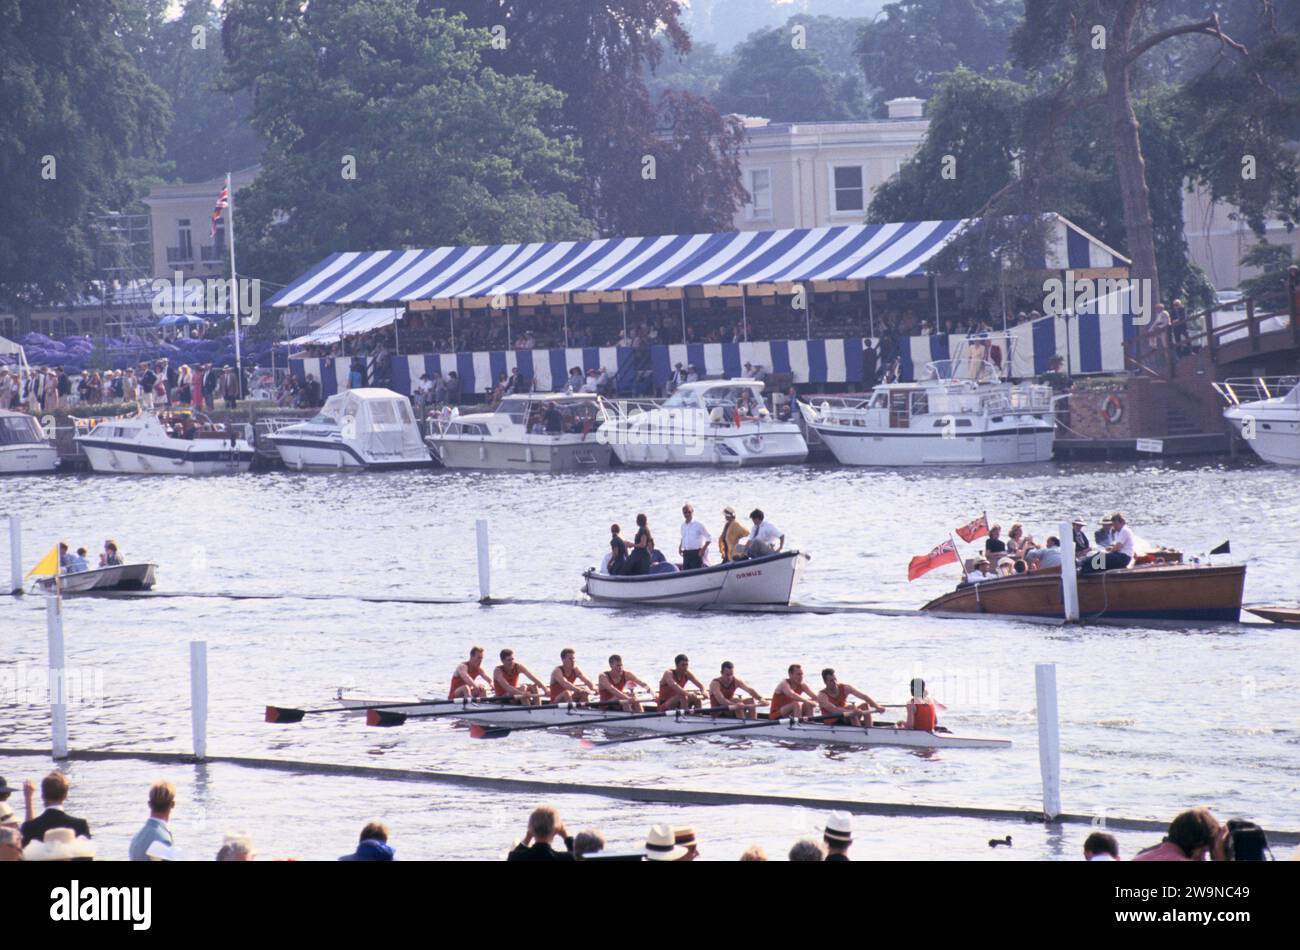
(846, 252)
(357, 320)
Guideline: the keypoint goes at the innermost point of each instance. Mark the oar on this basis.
(376, 716)
(285, 714)
(588, 744)
(478, 731)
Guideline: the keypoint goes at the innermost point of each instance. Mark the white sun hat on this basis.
(661, 844)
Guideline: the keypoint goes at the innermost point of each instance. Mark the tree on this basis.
(210, 133)
(782, 74)
(75, 106)
(918, 41)
(385, 129)
(1268, 288)
(1080, 45)
(597, 55)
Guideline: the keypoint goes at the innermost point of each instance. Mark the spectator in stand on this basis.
(544, 827)
(1178, 322)
(870, 363)
(1100, 846)
(1194, 835)
(162, 799)
(54, 792)
(576, 379)
(373, 844)
(453, 388)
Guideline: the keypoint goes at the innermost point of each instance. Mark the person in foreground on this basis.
(372, 845)
(162, 799)
(838, 836)
(544, 827)
(1194, 835)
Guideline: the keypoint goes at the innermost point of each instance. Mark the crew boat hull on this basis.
(1027, 441)
(167, 457)
(490, 714)
(536, 454)
(124, 577)
(764, 581)
(1155, 592)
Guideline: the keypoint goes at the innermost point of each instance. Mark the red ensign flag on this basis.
(979, 528)
(945, 553)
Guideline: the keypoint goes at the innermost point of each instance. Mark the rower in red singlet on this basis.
(617, 685)
(722, 694)
(505, 682)
(922, 709)
(462, 681)
(566, 677)
(834, 700)
(672, 686)
(787, 698)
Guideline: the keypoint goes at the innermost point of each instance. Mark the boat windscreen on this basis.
(19, 430)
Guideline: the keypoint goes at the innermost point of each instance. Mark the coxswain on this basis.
(922, 709)
(673, 693)
(566, 677)
(505, 682)
(462, 681)
(835, 703)
(787, 698)
(722, 694)
(617, 685)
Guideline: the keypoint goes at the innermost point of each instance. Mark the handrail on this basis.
(1210, 336)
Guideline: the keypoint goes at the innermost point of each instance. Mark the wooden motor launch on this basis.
(681, 723)
(761, 581)
(1147, 592)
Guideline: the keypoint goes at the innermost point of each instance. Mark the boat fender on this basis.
(1112, 410)
(755, 444)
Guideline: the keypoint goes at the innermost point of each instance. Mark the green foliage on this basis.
(771, 77)
(910, 49)
(71, 91)
(1268, 288)
(445, 150)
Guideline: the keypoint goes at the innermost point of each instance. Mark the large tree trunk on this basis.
(1129, 164)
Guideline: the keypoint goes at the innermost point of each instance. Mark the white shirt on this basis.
(694, 536)
(766, 532)
(1124, 538)
(974, 577)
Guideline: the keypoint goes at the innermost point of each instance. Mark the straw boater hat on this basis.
(685, 836)
(60, 844)
(839, 828)
(7, 816)
(661, 844)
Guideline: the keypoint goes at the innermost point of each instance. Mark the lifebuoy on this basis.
(754, 443)
(1112, 410)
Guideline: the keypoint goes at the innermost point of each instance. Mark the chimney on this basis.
(907, 107)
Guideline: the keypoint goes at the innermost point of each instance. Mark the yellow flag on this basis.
(48, 566)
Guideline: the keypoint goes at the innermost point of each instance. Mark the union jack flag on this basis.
(223, 202)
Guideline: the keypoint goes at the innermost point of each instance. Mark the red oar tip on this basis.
(476, 731)
(281, 715)
(377, 717)
(587, 744)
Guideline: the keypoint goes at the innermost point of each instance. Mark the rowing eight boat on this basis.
(785, 730)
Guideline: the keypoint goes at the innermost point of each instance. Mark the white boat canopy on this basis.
(379, 420)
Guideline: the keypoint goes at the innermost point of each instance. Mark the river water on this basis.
(1152, 720)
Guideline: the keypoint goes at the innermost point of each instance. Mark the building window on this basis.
(760, 193)
(184, 249)
(847, 192)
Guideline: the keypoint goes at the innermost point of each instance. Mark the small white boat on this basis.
(362, 429)
(714, 422)
(961, 413)
(24, 449)
(168, 442)
(1265, 411)
(542, 432)
(784, 730)
(121, 577)
(761, 581)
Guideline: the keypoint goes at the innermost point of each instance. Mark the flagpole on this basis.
(234, 280)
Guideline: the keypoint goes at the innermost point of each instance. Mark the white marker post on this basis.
(58, 676)
(199, 696)
(15, 554)
(484, 565)
(1069, 574)
(1049, 739)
